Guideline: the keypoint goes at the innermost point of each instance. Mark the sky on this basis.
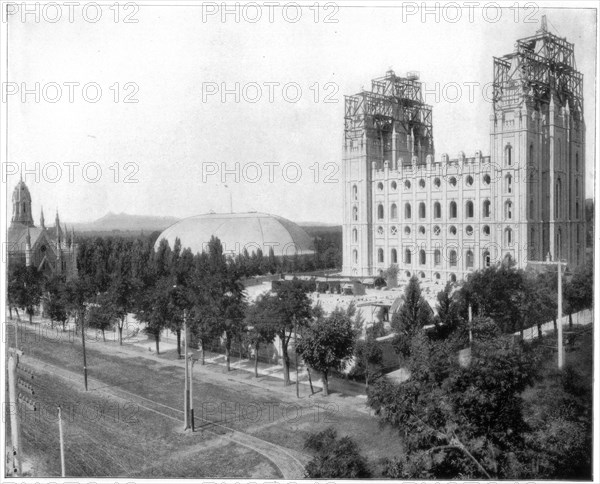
(198, 111)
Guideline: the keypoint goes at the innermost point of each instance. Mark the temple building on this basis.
(442, 218)
(52, 250)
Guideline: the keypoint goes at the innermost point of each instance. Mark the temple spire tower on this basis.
(537, 139)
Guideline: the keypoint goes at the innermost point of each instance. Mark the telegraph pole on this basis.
(62, 443)
(186, 392)
(192, 361)
(296, 352)
(559, 317)
(85, 378)
(14, 408)
(470, 325)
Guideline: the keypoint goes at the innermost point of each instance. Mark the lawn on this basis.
(140, 431)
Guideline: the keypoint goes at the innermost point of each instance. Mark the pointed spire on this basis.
(42, 221)
(28, 238)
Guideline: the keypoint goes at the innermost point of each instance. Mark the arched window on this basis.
(422, 275)
(354, 214)
(469, 209)
(487, 208)
(380, 211)
(421, 210)
(487, 261)
(577, 162)
(576, 188)
(437, 257)
(380, 186)
(394, 211)
(531, 207)
(470, 259)
(422, 257)
(453, 211)
(508, 236)
(394, 256)
(407, 211)
(355, 192)
(558, 244)
(508, 210)
(531, 154)
(487, 179)
(354, 235)
(436, 230)
(576, 210)
(452, 277)
(437, 210)
(486, 230)
(355, 256)
(452, 259)
(508, 155)
(407, 256)
(380, 255)
(508, 183)
(557, 198)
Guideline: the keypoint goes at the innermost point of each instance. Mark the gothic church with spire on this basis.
(52, 250)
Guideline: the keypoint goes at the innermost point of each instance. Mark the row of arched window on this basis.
(453, 259)
(437, 210)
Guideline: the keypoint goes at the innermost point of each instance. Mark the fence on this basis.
(581, 318)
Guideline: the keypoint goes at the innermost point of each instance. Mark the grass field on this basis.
(130, 424)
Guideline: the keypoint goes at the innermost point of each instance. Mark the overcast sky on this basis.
(179, 130)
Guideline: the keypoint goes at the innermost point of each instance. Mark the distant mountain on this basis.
(123, 222)
(316, 224)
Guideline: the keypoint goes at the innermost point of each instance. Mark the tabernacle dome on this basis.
(236, 231)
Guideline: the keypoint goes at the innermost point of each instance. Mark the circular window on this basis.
(486, 179)
(380, 186)
(407, 273)
(422, 230)
(486, 230)
(437, 275)
(422, 275)
(379, 230)
(407, 230)
(437, 183)
(393, 230)
(394, 185)
(469, 181)
(469, 230)
(452, 181)
(422, 183)
(452, 230)
(436, 230)
(407, 184)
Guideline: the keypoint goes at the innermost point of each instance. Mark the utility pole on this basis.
(470, 326)
(186, 392)
(82, 319)
(559, 317)
(296, 353)
(14, 408)
(192, 361)
(62, 443)
(559, 265)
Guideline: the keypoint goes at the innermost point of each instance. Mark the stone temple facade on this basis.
(52, 250)
(441, 218)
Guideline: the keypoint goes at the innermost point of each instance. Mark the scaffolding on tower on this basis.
(542, 66)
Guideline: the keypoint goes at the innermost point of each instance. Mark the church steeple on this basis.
(42, 222)
(21, 201)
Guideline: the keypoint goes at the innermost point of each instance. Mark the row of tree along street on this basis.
(467, 421)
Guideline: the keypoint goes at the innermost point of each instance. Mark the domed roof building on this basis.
(239, 231)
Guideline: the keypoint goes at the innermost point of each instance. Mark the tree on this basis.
(368, 359)
(293, 308)
(261, 326)
(579, 292)
(102, 314)
(459, 421)
(447, 319)
(413, 315)
(335, 458)
(25, 288)
(327, 344)
(54, 300)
